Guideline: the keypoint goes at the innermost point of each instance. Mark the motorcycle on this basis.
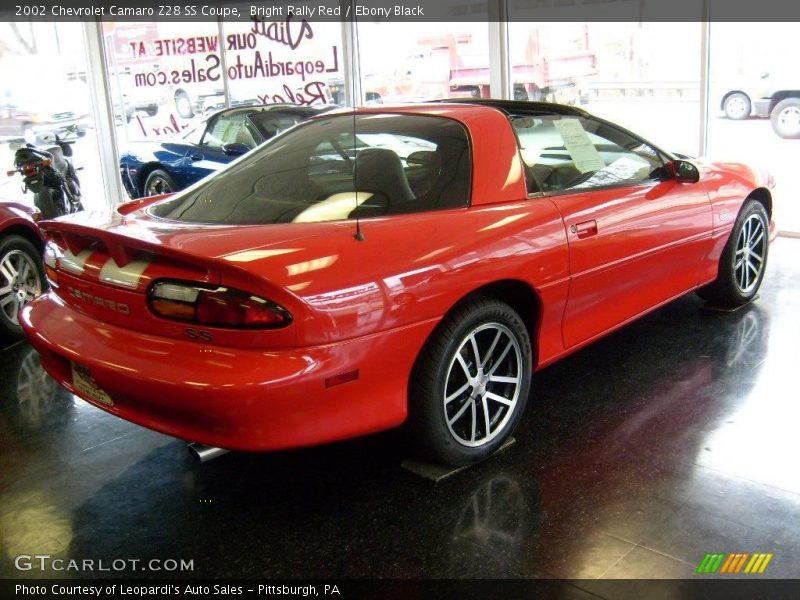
(50, 175)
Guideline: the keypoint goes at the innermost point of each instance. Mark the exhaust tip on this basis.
(205, 453)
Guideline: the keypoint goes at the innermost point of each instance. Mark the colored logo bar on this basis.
(734, 564)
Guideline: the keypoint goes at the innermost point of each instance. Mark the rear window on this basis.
(321, 171)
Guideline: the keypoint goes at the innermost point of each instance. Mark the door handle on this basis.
(584, 229)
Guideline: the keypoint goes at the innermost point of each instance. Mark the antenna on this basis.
(359, 236)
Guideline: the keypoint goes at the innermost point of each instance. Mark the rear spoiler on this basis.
(122, 247)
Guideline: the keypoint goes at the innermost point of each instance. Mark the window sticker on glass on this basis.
(621, 170)
(580, 147)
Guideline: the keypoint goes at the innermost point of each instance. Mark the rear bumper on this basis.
(231, 397)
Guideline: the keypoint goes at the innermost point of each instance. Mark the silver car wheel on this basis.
(483, 383)
(748, 259)
(20, 283)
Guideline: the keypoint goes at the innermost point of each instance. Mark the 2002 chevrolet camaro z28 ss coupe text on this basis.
(412, 264)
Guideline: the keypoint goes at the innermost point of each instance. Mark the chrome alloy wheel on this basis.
(483, 383)
(157, 186)
(19, 283)
(748, 260)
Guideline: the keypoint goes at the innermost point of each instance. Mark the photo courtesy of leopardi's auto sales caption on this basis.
(190, 590)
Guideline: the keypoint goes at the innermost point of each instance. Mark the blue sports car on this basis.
(149, 168)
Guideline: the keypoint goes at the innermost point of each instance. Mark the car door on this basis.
(636, 236)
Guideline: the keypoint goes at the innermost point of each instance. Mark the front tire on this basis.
(744, 259)
(471, 383)
(785, 118)
(737, 106)
(21, 280)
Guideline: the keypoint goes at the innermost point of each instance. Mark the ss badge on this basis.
(199, 335)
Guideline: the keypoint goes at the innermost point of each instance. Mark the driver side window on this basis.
(564, 153)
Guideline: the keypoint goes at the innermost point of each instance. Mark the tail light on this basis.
(221, 306)
(51, 256)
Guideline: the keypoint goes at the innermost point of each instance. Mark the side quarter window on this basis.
(563, 153)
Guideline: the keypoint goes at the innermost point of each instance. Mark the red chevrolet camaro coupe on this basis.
(413, 264)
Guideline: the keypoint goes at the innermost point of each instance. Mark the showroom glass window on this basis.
(44, 92)
(286, 60)
(414, 62)
(643, 75)
(164, 77)
(754, 105)
(321, 171)
(563, 153)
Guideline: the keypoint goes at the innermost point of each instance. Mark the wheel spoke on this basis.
(493, 346)
(5, 290)
(502, 356)
(474, 343)
(498, 398)
(756, 239)
(485, 415)
(503, 379)
(463, 364)
(8, 271)
(474, 420)
(456, 394)
(4, 300)
(461, 411)
(24, 271)
(756, 256)
(14, 310)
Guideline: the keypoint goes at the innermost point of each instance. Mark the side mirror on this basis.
(685, 172)
(235, 149)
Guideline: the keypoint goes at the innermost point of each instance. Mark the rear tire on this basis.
(21, 280)
(744, 259)
(159, 182)
(470, 384)
(785, 118)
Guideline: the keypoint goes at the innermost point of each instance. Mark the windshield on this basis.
(320, 171)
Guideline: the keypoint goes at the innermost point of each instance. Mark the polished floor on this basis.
(674, 437)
